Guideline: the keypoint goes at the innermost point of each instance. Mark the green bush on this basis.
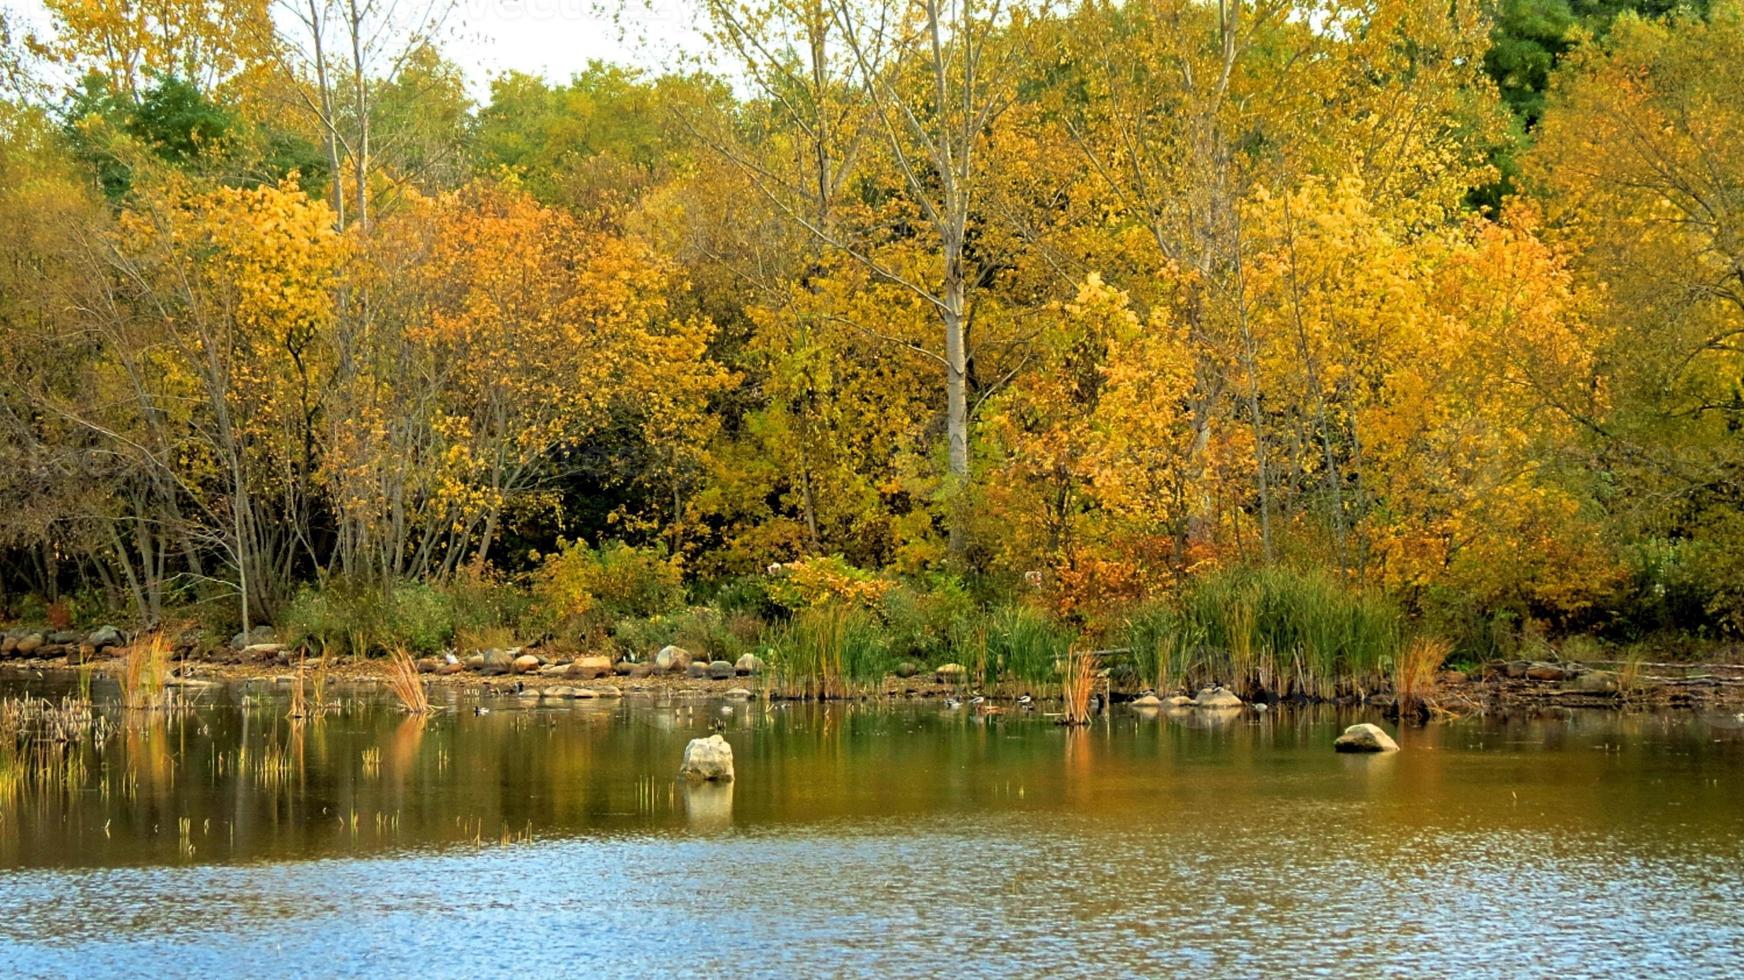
(926, 622)
(702, 630)
(582, 591)
(420, 618)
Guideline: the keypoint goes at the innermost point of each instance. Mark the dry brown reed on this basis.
(1414, 673)
(1077, 684)
(403, 680)
(145, 673)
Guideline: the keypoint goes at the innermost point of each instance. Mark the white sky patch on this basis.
(551, 38)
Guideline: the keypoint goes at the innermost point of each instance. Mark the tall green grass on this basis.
(1023, 646)
(1272, 630)
(828, 651)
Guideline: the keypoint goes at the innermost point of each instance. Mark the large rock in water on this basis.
(671, 658)
(1217, 697)
(1365, 738)
(708, 759)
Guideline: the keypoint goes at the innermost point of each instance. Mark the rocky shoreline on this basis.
(536, 673)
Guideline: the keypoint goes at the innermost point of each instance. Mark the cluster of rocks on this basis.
(516, 660)
(76, 646)
(1211, 698)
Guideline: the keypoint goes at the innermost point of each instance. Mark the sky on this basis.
(553, 38)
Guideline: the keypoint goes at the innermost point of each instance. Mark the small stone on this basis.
(447, 669)
(748, 665)
(65, 638)
(526, 663)
(1450, 677)
(624, 668)
(737, 694)
(641, 670)
(608, 691)
(1147, 701)
(1546, 672)
(586, 693)
(950, 673)
(428, 665)
(720, 670)
(696, 670)
(29, 644)
(708, 759)
(907, 669)
(671, 658)
(1365, 737)
(1180, 701)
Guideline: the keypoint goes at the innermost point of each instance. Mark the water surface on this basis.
(875, 840)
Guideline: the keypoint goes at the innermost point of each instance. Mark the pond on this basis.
(871, 839)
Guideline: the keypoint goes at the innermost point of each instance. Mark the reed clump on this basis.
(408, 687)
(829, 651)
(1414, 675)
(1288, 632)
(1077, 685)
(145, 675)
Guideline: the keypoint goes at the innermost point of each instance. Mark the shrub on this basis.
(420, 618)
(583, 590)
(827, 580)
(925, 622)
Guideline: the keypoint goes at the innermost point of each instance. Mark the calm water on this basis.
(874, 841)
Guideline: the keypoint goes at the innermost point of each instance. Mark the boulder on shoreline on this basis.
(671, 658)
(720, 670)
(748, 665)
(106, 636)
(588, 668)
(708, 759)
(1365, 737)
(950, 673)
(1180, 701)
(526, 663)
(1147, 701)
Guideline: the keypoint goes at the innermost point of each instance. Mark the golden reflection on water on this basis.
(235, 779)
